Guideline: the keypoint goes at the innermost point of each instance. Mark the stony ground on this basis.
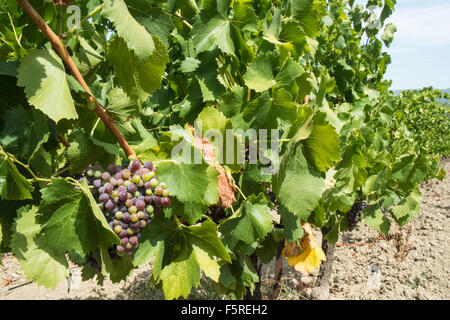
(412, 263)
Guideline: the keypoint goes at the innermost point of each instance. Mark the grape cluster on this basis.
(354, 214)
(128, 198)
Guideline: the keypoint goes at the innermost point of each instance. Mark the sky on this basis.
(421, 49)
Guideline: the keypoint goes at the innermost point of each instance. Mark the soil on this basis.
(411, 263)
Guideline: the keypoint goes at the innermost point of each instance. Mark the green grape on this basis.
(154, 183)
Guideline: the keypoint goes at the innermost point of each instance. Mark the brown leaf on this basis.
(225, 184)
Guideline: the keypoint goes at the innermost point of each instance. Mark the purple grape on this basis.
(135, 225)
(165, 201)
(111, 225)
(126, 217)
(116, 222)
(139, 172)
(101, 189)
(140, 204)
(106, 176)
(103, 198)
(148, 165)
(112, 168)
(124, 233)
(110, 205)
(113, 181)
(147, 185)
(124, 242)
(120, 249)
(132, 188)
(124, 225)
(156, 201)
(147, 199)
(123, 196)
(122, 189)
(97, 183)
(136, 164)
(118, 176)
(133, 240)
(146, 216)
(109, 188)
(96, 167)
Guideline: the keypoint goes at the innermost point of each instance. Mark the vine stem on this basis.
(64, 54)
(26, 166)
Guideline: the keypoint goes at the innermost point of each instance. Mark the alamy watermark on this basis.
(231, 147)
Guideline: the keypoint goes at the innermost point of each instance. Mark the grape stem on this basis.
(61, 49)
(26, 166)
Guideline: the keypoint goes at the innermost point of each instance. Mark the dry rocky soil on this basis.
(411, 263)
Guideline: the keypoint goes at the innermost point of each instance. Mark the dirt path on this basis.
(413, 263)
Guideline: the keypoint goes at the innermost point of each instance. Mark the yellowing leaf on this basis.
(311, 256)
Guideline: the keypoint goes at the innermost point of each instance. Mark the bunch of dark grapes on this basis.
(354, 214)
(128, 198)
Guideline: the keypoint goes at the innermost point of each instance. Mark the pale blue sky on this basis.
(421, 48)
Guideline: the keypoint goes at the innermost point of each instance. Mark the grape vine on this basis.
(300, 84)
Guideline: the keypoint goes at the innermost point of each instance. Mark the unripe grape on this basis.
(136, 178)
(97, 174)
(154, 183)
(149, 209)
(141, 214)
(132, 210)
(90, 173)
(129, 203)
(134, 217)
(142, 223)
(126, 174)
(140, 184)
(163, 185)
(118, 229)
(115, 194)
(159, 190)
(113, 181)
(119, 215)
(137, 194)
(129, 246)
(149, 192)
(165, 193)
(130, 231)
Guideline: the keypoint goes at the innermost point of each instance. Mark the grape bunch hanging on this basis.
(129, 198)
(354, 214)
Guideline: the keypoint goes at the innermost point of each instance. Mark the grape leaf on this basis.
(187, 182)
(42, 74)
(297, 185)
(116, 269)
(72, 220)
(135, 35)
(24, 131)
(252, 221)
(408, 208)
(13, 185)
(322, 146)
(40, 263)
(375, 219)
(260, 75)
(138, 78)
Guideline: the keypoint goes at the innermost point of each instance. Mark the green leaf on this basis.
(297, 185)
(322, 146)
(209, 33)
(189, 65)
(408, 208)
(207, 76)
(72, 220)
(177, 256)
(24, 131)
(292, 224)
(187, 182)
(135, 35)
(13, 185)
(267, 112)
(375, 219)
(252, 221)
(40, 263)
(43, 76)
(116, 269)
(138, 78)
(155, 20)
(260, 75)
